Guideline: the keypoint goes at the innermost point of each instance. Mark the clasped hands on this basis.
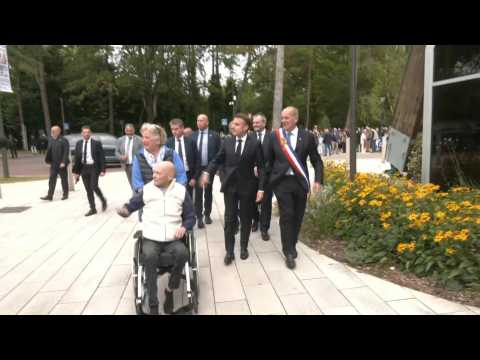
(205, 180)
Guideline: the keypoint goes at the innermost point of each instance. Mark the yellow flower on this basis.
(424, 237)
(393, 190)
(413, 217)
(425, 218)
(440, 215)
(402, 247)
(451, 251)
(449, 235)
(453, 207)
(385, 216)
(386, 226)
(362, 203)
(439, 236)
(375, 203)
(410, 205)
(462, 235)
(442, 195)
(478, 221)
(466, 204)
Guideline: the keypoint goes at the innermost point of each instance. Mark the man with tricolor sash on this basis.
(286, 157)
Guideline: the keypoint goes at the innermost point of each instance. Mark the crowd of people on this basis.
(334, 141)
(172, 182)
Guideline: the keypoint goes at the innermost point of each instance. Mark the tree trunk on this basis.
(43, 93)
(110, 109)
(278, 99)
(4, 151)
(23, 129)
(309, 87)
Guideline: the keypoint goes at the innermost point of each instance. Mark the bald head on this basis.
(56, 131)
(163, 174)
(202, 122)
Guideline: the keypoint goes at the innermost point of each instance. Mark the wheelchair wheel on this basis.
(137, 279)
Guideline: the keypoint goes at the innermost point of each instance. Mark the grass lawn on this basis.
(12, 180)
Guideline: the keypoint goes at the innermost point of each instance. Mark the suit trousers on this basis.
(247, 205)
(204, 207)
(90, 181)
(128, 171)
(54, 172)
(189, 188)
(292, 203)
(263, 212)
(151, 251)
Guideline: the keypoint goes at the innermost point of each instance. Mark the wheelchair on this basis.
(190, 275)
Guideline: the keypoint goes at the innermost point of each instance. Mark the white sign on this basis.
(5, 84)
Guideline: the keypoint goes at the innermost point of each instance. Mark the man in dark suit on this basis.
(90, 164)
(58, 158)
(188, 152)
(240, 154)
(208, 144)
(263, 212)
(286, 156)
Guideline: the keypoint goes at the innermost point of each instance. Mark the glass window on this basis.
(456, 60)
(456, 134)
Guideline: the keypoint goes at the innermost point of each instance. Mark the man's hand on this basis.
(77, 177)
(102, 173)
(317, 187)
(180, 234)
(123, 157)
(123, 212)
(62, 165)
(204, 180)
(192, 183)
(260, 196)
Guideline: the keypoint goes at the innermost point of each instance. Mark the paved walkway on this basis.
(55, 261)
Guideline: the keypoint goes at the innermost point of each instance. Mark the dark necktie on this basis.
(200, 148)
(239, 149)
(85, 152)
(180, 150)
(260, 137)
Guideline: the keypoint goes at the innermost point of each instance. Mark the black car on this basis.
(109, 144)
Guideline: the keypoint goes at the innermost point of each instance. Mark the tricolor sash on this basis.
(291, 156)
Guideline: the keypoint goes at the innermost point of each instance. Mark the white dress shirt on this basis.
(129, 150)
(262, 133)
(244, 140)
(89, 152)
(184, 152)
(293, 142)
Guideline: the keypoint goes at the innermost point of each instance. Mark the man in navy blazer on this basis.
(208, 144)
(187, 151)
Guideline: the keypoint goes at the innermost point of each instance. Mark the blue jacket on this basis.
(140, 179)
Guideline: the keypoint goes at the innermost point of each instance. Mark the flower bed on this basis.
(385, 220)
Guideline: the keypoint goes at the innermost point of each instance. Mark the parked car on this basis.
(109, 144)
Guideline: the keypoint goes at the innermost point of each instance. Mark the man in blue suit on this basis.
(208, 144)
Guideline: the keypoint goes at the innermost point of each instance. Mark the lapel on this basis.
(300, 141)
(245, 148)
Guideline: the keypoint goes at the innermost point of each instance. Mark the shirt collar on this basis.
(242, 138)
(294, 131)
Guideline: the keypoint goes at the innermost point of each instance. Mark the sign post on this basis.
(5, 86)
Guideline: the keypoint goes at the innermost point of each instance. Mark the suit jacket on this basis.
(214, 143)
(266, 140)
(58, 152)
(239, 173)
(136, 148)
(98, 156)
(278, 165)
(193, 158)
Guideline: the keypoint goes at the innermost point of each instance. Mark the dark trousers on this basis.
(13, 152)
(128, 171)
(151, 251)
(54, 172)
(292, 202)
(189, 188)
(247, 204)
(263, 212)
(204, 207)
(90, 181)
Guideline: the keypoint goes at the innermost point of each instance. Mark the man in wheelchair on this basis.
(168, 214)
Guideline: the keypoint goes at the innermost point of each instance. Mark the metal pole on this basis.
(6, 172)
(353, 115)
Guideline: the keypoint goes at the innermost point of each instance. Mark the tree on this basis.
(279, 75)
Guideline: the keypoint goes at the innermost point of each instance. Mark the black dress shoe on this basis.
(46, 198)
(90, 213)
(229, 259)
(168, 305)
(65, 197)
(290, 262)
(154, 310)
(237, 229)
(265, 236)
(254, 227)
(104, 206)
(244, 254)
(200, 224)
(295, 254)
(208, 220)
